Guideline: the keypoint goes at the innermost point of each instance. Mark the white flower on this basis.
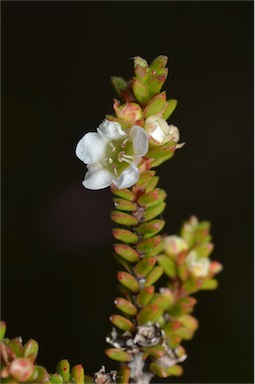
(199, 267)
(112, 155)
(160, 132)
(175, 245)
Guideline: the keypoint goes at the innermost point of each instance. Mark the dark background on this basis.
(58, 274)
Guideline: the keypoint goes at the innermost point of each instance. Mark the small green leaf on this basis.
(125, 194)
(153, 197)
(154, 211)
(162, 160)
(185, 333)
(144, 179)
(145, 266)
(171, 105)
(125, 235)
(152, 184)
(210, 284)
(175, 370)
(2, 330)
(183, 306)
(39, 375)
(16, 346)
(162, 152)
(118, 355)
(125, 306)
(149, 314)
(204, 250)
(119, 84)
(141, 69)
(158, 64)
(145, 295)
(162, 301)
(141, 91)
(189, 322)
(127, 252)
(157, 82)
(151, 247)
(168, 265)
(124, 374)
(124, 205)
(156, 351)
(158, 370)
(156, 106)
(150, 228)
(123, 218)
(63, 368)
(77, 373)
(31, 349)
(153, 276)
(122, 323)
(128, 281)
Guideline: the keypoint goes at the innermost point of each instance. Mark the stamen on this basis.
(112, 147)
(110, 161)
(115, 170)
(124, 142)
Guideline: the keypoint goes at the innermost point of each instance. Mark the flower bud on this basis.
(129, 113)
(175, 245)
(159, 131)
(198, 267)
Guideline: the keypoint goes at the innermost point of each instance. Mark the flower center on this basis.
(119, 155)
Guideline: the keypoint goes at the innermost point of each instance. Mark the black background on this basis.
(58, 274)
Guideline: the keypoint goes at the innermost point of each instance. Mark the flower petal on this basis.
(97, 178)
(128, 177)
(140, 140)
(111, 130)
(91, 148)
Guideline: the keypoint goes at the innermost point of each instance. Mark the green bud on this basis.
(189, 322)
(145, 295)
(118, 355)
(128, 281)
(122, 323)
(123, 218)
(153, 276)
(127, 252)
(149, 314)
(171, 105)
(145, 266)
(175, 370)
(124, 235)
(144, 179)
(125, 306)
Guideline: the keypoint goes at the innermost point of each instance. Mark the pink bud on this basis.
(21, 369)
(130, 113)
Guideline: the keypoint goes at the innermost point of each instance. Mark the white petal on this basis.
(128, 177)
(111, 130)
(140, 140)
(91, 148)
(97, 178)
